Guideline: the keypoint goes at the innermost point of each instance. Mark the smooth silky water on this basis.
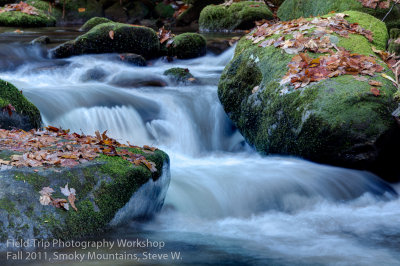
(226, 204)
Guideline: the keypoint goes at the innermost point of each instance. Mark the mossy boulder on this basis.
(237, 16)
(103, 187)
(133, 59)
(164, 10)
(19, 19)
(336, 121)
(193, 12)
(179, 74)
(188, 45)
(292, 9)
(93, 22)
(42, 40)
(112, 38)
(26, 115)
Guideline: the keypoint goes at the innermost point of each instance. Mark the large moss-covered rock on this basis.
(189, 45)
(26, 115)
(292, 9)
(112, 38)
(19, 19)
(337, 120)
(93, 22)
(237, 16)
(103, 187)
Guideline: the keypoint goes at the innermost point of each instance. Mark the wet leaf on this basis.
(375, 91)
(375, 83)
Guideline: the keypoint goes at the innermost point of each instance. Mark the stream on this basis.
(226, 204)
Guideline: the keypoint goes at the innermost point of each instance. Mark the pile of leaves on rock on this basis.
(315, 36)
(57, 147)
(377, 3)
(21, 7)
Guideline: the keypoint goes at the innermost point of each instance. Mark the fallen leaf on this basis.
(111, 34)
(375, 91)
(375, 83)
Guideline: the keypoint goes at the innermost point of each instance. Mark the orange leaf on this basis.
(375, 91)
(111, 34)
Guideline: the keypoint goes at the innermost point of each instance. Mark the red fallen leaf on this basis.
(111, 34)
(375, 91)
(9, 108)
(51, 128)
(146, 147)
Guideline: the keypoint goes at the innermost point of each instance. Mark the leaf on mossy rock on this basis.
(57, 147)
(21, 7)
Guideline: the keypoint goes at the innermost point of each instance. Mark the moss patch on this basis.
(9, 94)
(126, 39)
(292, 9)
(19, 19)
(93, 22)
(189, 45)
(241, 15)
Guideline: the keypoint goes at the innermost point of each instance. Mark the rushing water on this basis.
(225, 203)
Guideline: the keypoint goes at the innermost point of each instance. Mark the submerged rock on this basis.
(112, 38)
(42, 40)
(237, 16)
(179, 74)
(93, 22)
(338, 120)
(188, 45)
(102, 186)
(26, 116)
(94, 74)
(292, 9)
(133, 59)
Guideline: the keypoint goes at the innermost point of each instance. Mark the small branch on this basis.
(390, 10)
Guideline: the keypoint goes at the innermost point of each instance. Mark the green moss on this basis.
(7, 205)
(189, 45)
(292, 9)
(19, 19)
(9, 94)
(328, 121)
(164, 11)
(93, 22)
(36, 180)
(126, 39)
(178, 74)
(241, 15)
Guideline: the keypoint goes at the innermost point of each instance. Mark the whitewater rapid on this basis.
(224, 199)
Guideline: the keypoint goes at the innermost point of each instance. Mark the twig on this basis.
(390, 10)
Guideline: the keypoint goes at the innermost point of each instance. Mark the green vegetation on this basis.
(292, 9)
(189, 45)
(9, 94)
(238, 16)
(93, 22)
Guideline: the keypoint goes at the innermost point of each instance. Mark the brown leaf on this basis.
(111, 34)
(375, 83)
(71, 199)
(375, 91)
